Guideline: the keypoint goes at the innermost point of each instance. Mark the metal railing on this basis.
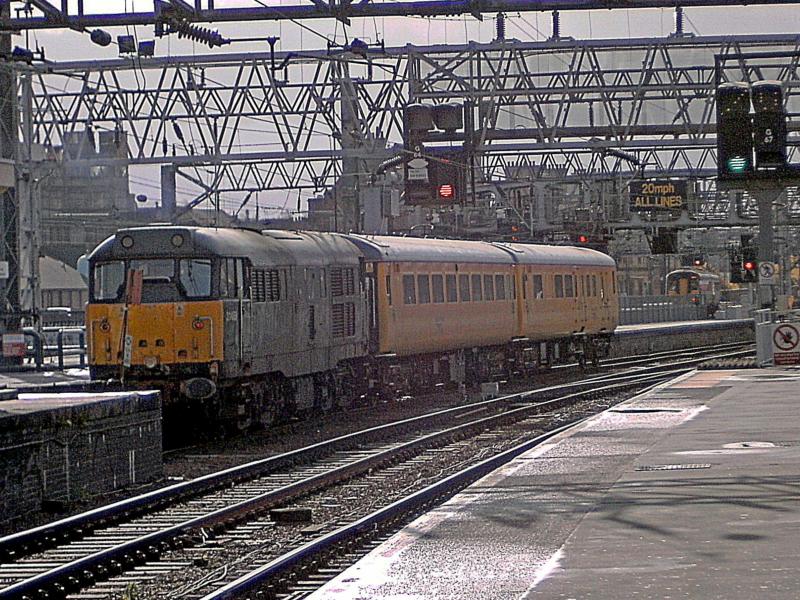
(52, 345)
(635, 310)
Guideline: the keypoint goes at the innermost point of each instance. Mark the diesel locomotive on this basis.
(248, 326)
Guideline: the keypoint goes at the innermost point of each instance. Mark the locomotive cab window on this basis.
(195, 277)
(109, 281)
(163, 279)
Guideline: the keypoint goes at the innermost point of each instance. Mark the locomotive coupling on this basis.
(198, 388)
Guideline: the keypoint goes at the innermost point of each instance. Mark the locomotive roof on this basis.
(262, 248)
(390, 248)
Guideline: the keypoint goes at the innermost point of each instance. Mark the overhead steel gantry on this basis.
(50, 15)
(246, 122)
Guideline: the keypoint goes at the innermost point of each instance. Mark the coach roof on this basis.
(540, 254)
(408, 249)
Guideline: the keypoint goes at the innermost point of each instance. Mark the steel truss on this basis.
(46, 15)
(240, 122)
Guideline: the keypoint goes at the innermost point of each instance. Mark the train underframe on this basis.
(261, 400)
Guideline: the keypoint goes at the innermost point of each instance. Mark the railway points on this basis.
(685, 491)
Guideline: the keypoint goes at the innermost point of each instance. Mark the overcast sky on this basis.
(619, 23)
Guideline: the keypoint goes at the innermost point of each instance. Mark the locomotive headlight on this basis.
(151, 362)
(177, 240)
(127, 242)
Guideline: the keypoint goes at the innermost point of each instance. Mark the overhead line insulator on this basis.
(186, 29)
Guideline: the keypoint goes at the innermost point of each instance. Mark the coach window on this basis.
(524, 286)
(437, 286)
(559, 285)
(463, 288)
(452, 290)
(389, 289)
(424, 289)
(488, 288)
(500, 286)
(477, 293)
(594, 285)
(569, 292)
(538, 287)
(613, 284)
(602, 286)
(409, 290)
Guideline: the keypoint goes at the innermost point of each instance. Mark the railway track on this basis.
(58, 560)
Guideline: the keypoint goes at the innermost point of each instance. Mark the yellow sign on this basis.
(663, 194)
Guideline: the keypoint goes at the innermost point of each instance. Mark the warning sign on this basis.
(785, 341)
(766, 272)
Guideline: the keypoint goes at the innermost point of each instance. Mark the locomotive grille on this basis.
(342, 282)
(343, 321)
(266, 285)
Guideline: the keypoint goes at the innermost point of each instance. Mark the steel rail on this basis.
(24, 542)
(412, 503)
(139, 550)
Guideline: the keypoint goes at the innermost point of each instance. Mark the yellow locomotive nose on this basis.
(156, 335)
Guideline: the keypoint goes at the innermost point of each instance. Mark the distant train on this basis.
(252, 325)
(700, 286)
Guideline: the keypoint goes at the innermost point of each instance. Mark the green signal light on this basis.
(738, 164)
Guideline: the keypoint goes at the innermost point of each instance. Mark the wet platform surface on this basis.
(42, 380)
(689, 491)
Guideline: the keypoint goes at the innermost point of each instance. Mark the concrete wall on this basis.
(59, 449)
(664, 337)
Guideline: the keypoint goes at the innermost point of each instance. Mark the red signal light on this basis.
(446, 191)
(749, 265)
(583, 239)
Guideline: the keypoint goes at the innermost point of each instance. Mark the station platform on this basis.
(41, 379)
(691, 490)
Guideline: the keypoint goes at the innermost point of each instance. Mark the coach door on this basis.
(583, 288)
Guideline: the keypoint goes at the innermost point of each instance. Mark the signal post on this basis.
(751, 156)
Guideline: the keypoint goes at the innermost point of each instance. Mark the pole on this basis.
(765, 198)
